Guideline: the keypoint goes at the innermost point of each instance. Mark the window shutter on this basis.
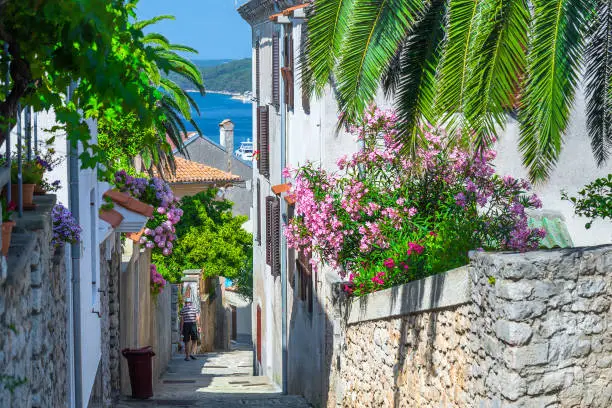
(257, 70)
(276, 261)
(291, 68)
(305, 272)
(291, 261)
(275, 70)
(263, 141)
(259, 137)
(287, 70)
(269, 229)
(258, 209)
(303, 75)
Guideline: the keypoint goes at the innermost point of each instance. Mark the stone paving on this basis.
(215, 380)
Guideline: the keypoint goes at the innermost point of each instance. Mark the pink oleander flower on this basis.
(389, 263)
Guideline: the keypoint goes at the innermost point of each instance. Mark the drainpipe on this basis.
(75, 251)
(283, 112)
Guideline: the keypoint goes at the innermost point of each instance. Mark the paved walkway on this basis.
(215, 380)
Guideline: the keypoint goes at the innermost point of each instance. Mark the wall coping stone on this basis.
(434, 292)
(21, 247)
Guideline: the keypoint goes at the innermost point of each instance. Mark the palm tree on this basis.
(176, 102)
(465, 63)
(164, 64)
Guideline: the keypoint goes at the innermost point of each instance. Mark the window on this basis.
(258, 209)
(275, 71)
(273, 234)
(305, 74)
(263, 131)
(287, 70)
(304, 269)
(257, 70)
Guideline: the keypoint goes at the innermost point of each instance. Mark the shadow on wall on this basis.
(317, 339)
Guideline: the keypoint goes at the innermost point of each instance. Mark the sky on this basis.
(213, 27)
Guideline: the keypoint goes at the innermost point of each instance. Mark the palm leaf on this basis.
(497, 64)
(454, 71)
(327, 25)
(417, 72)
(139, 25)
(599, 81)
(373, 38)
(157, 39)
(553, 64)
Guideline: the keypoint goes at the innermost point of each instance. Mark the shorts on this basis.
(190, 332)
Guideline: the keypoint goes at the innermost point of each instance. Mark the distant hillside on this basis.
(223, 75)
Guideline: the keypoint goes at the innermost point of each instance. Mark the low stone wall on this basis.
(161, 332)
(33, 316)
(520, 330)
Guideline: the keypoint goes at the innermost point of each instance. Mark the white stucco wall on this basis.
(576, 168)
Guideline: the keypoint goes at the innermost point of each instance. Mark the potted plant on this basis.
(31, 175)
(7, 224)
(47, 161)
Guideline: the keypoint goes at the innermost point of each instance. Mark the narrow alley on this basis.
(215, 380)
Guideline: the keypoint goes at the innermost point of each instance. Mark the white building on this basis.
(291, 332)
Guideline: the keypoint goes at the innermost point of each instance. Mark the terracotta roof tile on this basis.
(188, 171)
(281, 188)
(113, 217)
(129, 202)
(135, 236)
(288, 11)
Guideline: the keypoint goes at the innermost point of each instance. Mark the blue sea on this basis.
(214, 108)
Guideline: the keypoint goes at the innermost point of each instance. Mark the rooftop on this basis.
(188, 171)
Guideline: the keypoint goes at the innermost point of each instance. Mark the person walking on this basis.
(189, 328)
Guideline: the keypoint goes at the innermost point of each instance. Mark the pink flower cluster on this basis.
(355, 218)
(157, 281)
(160, 231)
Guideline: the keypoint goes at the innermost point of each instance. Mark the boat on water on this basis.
(245, 151)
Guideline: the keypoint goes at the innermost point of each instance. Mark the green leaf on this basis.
(554, 58)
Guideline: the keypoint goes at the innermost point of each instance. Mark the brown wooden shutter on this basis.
(287, 70)
(304, 74)
(269, 229)
(275, 71)
(258, 209)
(259, 137)
(257, 70)
(263, 141)
(291, 261)
(305, 275)
(276, 258)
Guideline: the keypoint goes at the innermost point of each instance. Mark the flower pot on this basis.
(38, 190)
(28, 193)
(7, 230)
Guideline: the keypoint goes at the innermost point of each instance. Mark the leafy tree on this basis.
(91, 45)
(124, 138)
(462, 63)
(594, 200)
(209, 238)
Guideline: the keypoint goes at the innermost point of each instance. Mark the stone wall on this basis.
(161, 332)
(511, 330)
(33, 316)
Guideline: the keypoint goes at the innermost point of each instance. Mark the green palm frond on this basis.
(327, 25)
(178, 95)
(157, 39)
(139, 25)
(454, 71)
(417, 72)
(373, 38)
(497, 65)
(553, 65)
(599, 81)
(183, 48)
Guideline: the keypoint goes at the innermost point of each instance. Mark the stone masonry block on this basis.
(514, 290)
(591, 286)
(512, 386)
(531, 355)
(523, 310)
(515, 334)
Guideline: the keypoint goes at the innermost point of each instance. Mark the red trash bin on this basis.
(141, 371)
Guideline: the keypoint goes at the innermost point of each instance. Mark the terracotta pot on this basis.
(28, 193)
(7, 230)
(38, 190)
